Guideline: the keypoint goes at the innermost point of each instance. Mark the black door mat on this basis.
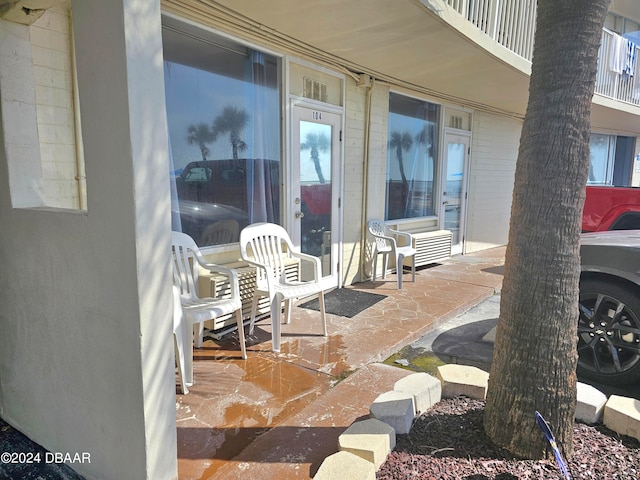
(345, 302)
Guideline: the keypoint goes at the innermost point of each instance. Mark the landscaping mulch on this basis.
(448, 443)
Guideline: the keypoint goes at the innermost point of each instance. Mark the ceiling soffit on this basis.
(402, 42)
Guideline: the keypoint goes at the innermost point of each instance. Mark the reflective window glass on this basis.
(411, 158)
(223, 115)
(602, 159)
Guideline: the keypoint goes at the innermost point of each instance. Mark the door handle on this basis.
(445, 202)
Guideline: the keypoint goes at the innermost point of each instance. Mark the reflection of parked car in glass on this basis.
(211, 191)
(609, 322)
(227, 182)
(204, 222)
(316, 220)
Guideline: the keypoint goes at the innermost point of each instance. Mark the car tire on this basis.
(608, 333)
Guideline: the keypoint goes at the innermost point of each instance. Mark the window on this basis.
(43, 140)
(626, 27)
(223, 115)
(612, 160)
(411, 158)
(602, 158)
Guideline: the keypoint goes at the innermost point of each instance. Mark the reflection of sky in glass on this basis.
(455, 161)
(307, 167)
(194, 96)
(418, 163)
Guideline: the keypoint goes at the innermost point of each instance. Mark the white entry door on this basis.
(315, 187)
(454, 187)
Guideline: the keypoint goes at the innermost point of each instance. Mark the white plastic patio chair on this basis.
(196, 310)
(267, 246)
(179, 339)
(386, 243)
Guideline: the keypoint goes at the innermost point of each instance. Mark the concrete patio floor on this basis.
(278, 415)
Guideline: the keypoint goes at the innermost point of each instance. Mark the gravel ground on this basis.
(448, 443)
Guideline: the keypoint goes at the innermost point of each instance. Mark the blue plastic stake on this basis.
(544, 426)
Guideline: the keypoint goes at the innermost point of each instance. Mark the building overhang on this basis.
(420, 44)
(433, 49)
(611, 116)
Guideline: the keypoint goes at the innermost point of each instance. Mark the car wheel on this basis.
(608, 333)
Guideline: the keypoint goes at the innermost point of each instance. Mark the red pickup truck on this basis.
(611, 208)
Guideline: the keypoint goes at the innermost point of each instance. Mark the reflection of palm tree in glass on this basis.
(232, 121)
(425, 137)
(316, 142)
(401, 141)
(201, 135)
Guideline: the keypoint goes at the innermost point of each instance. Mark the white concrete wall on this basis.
(52, 66)
(354, 165)
(355, 188)
(86, 350)
(377, 170)
(353, 180)
(494, 152)
(21, 143)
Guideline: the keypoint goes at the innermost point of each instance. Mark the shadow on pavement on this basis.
(464, 345)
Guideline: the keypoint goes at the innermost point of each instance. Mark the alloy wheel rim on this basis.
(608, 335)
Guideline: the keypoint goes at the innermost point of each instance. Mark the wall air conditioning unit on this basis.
(431, 247)
(211, 285)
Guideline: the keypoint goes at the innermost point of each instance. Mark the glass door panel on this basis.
(316, 191)
(454, 191)
(315, 171)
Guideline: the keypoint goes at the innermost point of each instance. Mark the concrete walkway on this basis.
(278, 416)
(307, 426)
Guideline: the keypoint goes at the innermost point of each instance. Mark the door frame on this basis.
(291, 186)
(450, 133)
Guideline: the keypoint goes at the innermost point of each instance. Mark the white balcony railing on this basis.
(609, 81)
(512, 23)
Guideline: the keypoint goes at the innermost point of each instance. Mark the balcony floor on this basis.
(277, 416)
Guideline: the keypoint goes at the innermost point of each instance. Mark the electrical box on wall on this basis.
(364, 80)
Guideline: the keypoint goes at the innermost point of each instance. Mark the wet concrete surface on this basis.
(278, 415)
(461, 340)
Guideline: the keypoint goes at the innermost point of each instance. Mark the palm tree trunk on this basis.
(401, 165)
(316, 163)
(535, 351)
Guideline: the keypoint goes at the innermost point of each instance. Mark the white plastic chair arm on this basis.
(269, 272)
(310, 258)
(390, 239)
(407, 236)
(230, 273)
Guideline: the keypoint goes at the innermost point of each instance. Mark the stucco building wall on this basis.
(86, 363)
